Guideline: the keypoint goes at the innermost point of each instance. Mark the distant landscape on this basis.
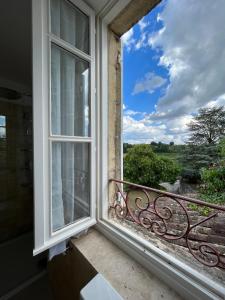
(196, 168)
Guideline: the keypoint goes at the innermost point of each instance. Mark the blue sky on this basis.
(140, 62)
(171, 70)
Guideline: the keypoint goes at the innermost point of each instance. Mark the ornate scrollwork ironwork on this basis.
(156, 213)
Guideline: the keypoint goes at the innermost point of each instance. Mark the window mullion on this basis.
(63, 44)
(70, 139)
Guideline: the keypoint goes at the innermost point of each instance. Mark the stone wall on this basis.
(211, 232)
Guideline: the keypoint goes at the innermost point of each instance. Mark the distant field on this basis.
(173, 156)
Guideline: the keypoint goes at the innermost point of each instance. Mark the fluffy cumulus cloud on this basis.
(145, 130)
(142, 131)
(149, 83)
(192, 47)
(192, 41)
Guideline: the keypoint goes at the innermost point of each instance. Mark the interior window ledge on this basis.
(127, 276)
(181, 278)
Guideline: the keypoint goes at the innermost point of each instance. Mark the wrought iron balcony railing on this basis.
(200, 225)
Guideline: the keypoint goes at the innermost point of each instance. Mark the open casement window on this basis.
(64, 129)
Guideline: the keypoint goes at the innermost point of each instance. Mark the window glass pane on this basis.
(2, 121)
(70, 24)
(70, 183)
(2, 127)
(69, 94)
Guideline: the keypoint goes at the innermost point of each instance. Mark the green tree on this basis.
(162, 148)
(208, 126)
(126, 146)
(154, 143)
(143, 166)
(195, 157)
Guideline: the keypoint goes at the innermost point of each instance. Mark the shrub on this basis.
(213, 187)
(143, 166)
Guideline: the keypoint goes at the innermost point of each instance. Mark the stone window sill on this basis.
(128, 277)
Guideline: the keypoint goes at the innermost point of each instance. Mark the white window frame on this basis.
(186, 281)
(183, 279)
(42, 38)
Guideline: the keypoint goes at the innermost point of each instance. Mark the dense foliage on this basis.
(143, 166)
(195, 157)
(213, 178)
(126, 146)
(213, 187)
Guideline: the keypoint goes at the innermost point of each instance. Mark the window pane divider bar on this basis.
(70, 139)
(65, 45)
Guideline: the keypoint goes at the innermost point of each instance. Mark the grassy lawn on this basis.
(172, 155)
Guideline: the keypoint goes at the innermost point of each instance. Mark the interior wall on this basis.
(15, 33)
(16, 153)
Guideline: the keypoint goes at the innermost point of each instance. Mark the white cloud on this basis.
(149, 83)
(130, 112)
(193, 45)
(142, 42)
(220, 101)
(128, 39)
(142, 24)
(143, 131)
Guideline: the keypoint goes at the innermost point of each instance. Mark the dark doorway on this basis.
(20, 272)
